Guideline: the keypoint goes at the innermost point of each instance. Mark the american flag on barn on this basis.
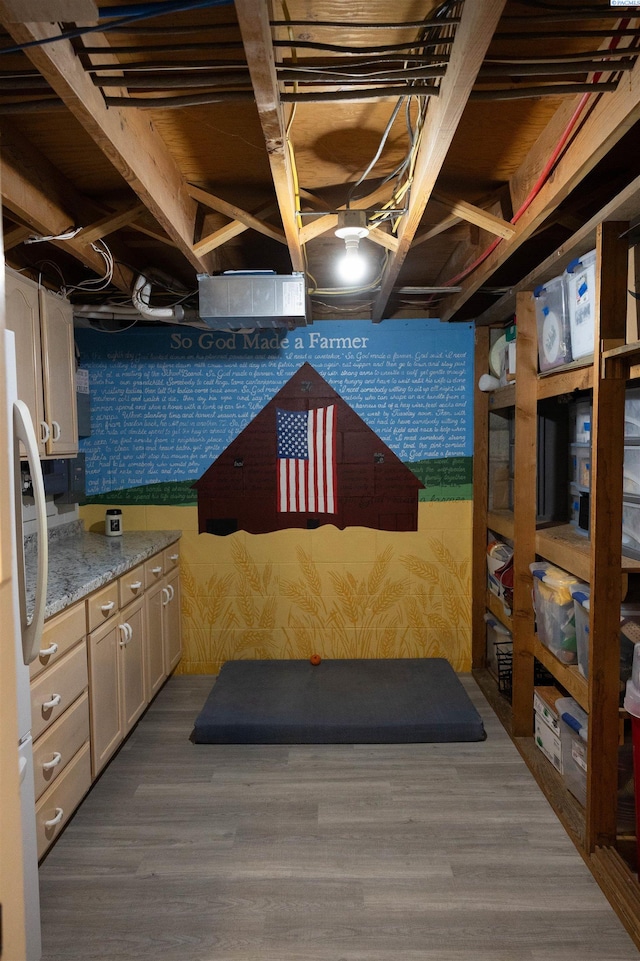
(307, 459)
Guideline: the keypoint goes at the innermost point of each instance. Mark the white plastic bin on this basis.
(574, 733)
(581, 294)
(552, 321)
(631, 472)
(554, 608)
(632, 413)
(580, 464)
(631, 526)
(581, 422)
(581, 594)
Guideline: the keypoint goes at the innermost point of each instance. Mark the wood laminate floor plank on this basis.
(409, 852)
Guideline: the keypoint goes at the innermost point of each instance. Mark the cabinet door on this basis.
(154, 615)
(104, 685)
(58, 368)
(172, 632)
(23, 318)
(132, 664)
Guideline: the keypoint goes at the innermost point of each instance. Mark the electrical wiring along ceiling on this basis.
(175, 138)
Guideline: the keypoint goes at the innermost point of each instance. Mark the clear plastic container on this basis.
(631, 527)
(632, 413)
(552, 321)
(574, 733)
(581, 422)
(631, 472)
(554, 608)
(581, 602)
(581, 293)
(629, 629)
(580, 464)
(574, 504)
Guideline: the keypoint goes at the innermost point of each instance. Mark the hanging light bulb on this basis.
(352, 227)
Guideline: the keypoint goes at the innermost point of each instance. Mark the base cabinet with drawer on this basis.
(102, 661)
(60, 723)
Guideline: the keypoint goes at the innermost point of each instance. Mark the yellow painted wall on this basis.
(356, 593)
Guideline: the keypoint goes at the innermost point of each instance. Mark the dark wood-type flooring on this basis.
(416, 852)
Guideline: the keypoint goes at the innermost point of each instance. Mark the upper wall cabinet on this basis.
(43, 326)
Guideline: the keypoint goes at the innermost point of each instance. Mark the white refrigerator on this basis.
(20, 641)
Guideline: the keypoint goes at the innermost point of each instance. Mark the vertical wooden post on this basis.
(524, 509)
(480, 501)
(607, 456)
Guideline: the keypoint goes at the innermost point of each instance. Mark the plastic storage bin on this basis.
(581, 414)
(554, 608)
(574, 504)
(581, 294)
(552, 322)
(574, 733)
(631, 472)
(580, 463)
(631, 527)
(629, 632)
(632, 413)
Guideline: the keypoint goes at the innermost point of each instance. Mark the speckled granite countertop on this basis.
(81, 562)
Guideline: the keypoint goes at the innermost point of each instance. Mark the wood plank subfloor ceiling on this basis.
(416, 852)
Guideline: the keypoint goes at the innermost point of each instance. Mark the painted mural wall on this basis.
(166, 402)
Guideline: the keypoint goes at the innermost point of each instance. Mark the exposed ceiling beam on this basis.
(236, 213)
(126, 137)
(38, 194)
(69, 11)
(218, 238)
(320, 225)
(253, 18)
(602, 127)
(110, 223)
(472, 38)
(14, 236)
(475, 215)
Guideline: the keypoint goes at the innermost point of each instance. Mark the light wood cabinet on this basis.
(107, 729)
(60, 722)
(43, 326)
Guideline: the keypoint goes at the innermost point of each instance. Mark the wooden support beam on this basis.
(475, 215)
(235, 214)
(321, 225)
(253, 18)
(67, 11)
(233, 229)
(602, 126)
(109, 224)
(126, 137)
(15, 236)
(472, 38)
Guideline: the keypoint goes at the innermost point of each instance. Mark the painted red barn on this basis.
(305, 460)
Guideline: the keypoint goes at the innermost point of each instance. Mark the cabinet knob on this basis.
(53, 702)
(105, 608)
(156, 570)
(166, 596)
(45, 433)
(57, 433)
(56, 819)
(49, 651)
(174, 557)
(55, 760)
(135, 585)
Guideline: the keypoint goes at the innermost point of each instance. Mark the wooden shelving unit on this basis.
(596, 559)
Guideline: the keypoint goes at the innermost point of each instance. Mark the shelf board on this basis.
(569, 676)
(502, 397)
(564, 380)
(501, 522)
(562, 545)
(495, 605)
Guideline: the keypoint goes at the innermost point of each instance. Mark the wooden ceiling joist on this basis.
(602, 127)
(461, 209)
(249, 221)
(472, 39)
(127, 138)
(37, 193)
(110, 223)
(253, 18)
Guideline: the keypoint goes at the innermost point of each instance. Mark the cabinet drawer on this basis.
(102, 605)
(58, 802)
(131, 585)
(153, 570)
(53, 751)
(60, 634)
(171, 557)
(57, 688)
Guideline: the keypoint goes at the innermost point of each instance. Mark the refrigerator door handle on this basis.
(23, 431)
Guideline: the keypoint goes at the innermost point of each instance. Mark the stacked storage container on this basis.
(554, 609)
(552, 322)
(580, 466)
(580, 283)
(631, 475)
